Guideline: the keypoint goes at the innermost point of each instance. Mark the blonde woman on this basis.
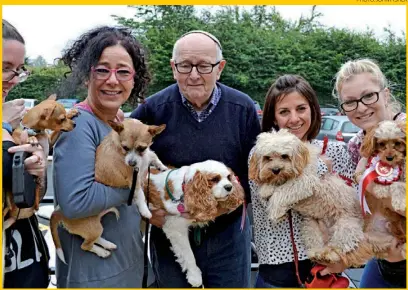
(365, 97)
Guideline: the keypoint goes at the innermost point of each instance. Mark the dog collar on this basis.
(31, 132)
(180, 207)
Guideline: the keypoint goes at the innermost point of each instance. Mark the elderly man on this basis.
(205, 120)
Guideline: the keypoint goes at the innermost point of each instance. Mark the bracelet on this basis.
(7, 127)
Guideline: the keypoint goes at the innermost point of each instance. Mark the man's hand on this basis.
(13, 112)
(158, 217)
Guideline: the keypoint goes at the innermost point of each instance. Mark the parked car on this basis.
(68, 103)
(329, 111)
(30, 103)
(258, 110)
(337, 128)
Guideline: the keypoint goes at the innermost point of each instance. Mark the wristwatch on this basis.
(8, 127)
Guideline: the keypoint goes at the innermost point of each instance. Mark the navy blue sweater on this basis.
(226, 135)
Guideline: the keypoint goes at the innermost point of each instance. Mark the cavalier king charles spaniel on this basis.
(205, 190)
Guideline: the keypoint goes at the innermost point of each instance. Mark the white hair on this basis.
(209, 35)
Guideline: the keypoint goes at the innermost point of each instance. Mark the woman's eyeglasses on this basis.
(103, 73)
(367, 99)
(9, 74)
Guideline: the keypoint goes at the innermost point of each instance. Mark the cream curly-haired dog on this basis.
(286, 170)
(382, 185)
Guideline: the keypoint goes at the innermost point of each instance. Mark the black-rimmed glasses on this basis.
(9, 74)
(202, 68)
(367, 99)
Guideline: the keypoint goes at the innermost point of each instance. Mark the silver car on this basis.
(337, 128)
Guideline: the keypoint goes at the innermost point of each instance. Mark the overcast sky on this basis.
(48, 28)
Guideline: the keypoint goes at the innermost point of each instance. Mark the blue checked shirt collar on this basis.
(202, 115)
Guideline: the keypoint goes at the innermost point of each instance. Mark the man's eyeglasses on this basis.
(367, 99)
(103, 73)
(9, 74)
(202, 68)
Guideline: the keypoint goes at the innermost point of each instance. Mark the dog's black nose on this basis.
(132, 163)
(74, 125)
(389, 158)
(228, 187)
(141, 148)
(276, 170)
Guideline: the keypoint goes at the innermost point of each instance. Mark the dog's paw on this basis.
(33, 141)
(325, 255)
(277, 214)
(101, 252)
(194, 277)
(398, 200)
(72, 113)
(163, 168)
(144, 210)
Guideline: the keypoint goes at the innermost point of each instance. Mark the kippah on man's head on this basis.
(215, 39)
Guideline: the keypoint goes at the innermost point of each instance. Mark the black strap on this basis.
(146, 244)
(132, 189)
(396, 116)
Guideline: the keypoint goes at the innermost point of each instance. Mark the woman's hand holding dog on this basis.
(36, 164)
(333, 268)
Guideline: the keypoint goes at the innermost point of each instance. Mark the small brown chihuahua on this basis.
(125, 148)
(51, 115)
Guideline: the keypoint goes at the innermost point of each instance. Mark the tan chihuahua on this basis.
(125, 148)
(51, 115)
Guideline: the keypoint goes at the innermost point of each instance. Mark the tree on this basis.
(39, 62)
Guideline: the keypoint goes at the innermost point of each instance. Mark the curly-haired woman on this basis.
(110, 63)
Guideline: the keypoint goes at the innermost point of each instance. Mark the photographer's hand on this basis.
(37, 163)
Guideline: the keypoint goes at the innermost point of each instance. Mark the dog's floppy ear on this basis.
(118, 127)
(253, 171)
(368, 146)
(301, 157)
(199, 200)
(156, 130)
(52, 97)
(48, 111)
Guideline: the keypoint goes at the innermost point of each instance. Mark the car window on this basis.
(349, 127)
(328, 124)
(335, 124)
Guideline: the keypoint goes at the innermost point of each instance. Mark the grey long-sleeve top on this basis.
(79, 195)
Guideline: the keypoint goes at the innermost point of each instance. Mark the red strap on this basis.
(367, 180)
(295, 252)
(325, 141)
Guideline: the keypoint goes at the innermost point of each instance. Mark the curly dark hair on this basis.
(283, 86)
(86, 51)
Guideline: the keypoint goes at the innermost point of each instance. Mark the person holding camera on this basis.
(25, 254)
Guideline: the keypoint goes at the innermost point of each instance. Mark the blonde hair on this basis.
(359, 66)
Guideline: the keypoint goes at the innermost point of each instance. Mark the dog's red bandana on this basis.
(380, 173)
